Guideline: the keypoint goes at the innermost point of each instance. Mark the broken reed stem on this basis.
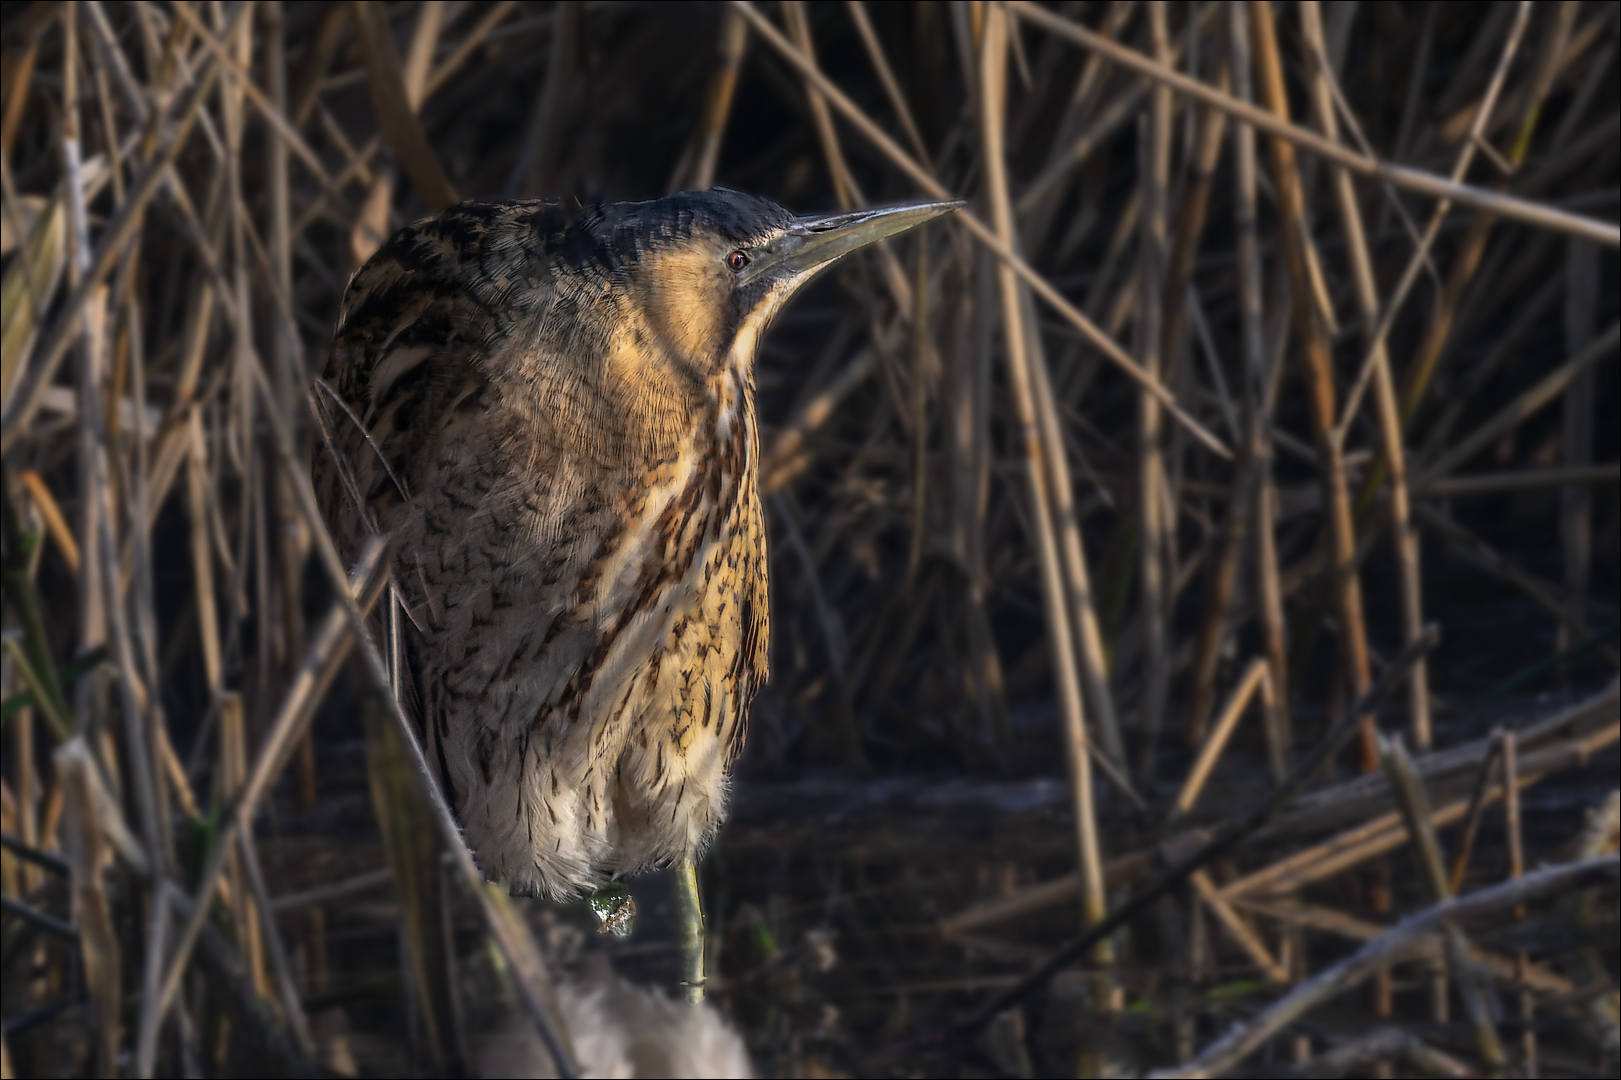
(993, 73)
(1255, 678)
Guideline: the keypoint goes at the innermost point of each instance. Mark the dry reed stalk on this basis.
(116, 236)
(1256, 378)
(534, 172)
(1038, 472)
(233, 775)
(1179, 301)
(1317, 368)
(1255, 678)
(892, 88)
(1546, 595)
(1468, 259)
(1529, 401)
(395, 115)
(1516, 869)
(1405, 537)
(286, 988)
(1091, 654)
(1336, 923)
(845, 192)
(696, 167)
(924, 362)
(99, 953)
(1157, 526)
(1576, 437)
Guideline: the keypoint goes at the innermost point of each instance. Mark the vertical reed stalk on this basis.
(1157, 533)
(993, 88)
(1403, 532)
(729, 47)
(1576, 438)
(1516, 869)
(1257, 407)
(1317, 370)
(234, 774)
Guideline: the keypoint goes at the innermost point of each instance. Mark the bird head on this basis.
(708, 270)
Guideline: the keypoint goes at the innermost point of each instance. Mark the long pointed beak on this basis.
(812, 243)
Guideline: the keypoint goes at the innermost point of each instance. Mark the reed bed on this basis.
(1185, 560)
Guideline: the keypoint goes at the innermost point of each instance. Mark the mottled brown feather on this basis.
(562, 442)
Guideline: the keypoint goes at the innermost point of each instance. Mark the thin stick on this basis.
(1386, 833)
(1471, 820)
(1083, 604)
(1521, 480)
(1582, 274)
(54, 521)
(1255, 677)
(286, 988)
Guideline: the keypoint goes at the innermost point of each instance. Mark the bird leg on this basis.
(692, 928)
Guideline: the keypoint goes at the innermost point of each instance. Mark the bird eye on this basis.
(737, 260)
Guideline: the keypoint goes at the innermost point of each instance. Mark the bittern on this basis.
(550, 410)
